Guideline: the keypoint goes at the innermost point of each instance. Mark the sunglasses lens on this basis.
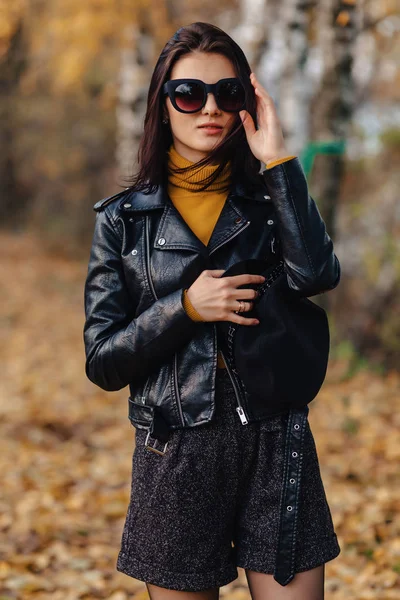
(189, 96)
(231, 96)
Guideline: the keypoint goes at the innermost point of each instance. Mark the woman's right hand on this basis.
(217, 298)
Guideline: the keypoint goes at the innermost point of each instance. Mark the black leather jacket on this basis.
(143, 255)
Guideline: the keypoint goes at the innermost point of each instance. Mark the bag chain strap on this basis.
(270, 278)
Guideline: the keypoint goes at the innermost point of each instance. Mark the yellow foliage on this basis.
(343, 18)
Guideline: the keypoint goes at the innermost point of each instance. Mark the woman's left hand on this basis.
(266, 143)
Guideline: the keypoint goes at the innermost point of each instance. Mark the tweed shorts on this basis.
(211, 503)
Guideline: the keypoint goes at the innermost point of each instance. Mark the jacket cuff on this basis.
(190, 309)
(269, 165)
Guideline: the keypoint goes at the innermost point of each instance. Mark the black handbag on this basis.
(281, 362)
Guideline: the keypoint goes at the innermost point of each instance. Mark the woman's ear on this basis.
(165, 117)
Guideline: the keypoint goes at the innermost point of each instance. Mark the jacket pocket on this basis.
(140, 414)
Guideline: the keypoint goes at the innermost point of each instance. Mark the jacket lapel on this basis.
(173, 233)
(231, 222)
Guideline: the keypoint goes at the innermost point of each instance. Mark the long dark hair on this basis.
(157, 136)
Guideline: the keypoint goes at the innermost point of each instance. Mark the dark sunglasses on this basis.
(190, 95)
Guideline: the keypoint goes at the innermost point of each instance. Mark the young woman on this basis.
(216, 185)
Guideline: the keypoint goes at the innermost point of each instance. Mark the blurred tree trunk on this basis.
(295, 89)
(142, 42)
(12, 201)
(292, 81)
(332, 106)
(338, 22)
(287, 67)
(132, 94)
(274, 36)
(250, 32)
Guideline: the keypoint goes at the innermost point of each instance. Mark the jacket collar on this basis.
(139, 201)
(173, 232)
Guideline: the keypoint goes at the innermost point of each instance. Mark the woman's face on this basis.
(191, 140)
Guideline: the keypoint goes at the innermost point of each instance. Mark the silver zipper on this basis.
(239, 408)
(147, 228)
(231, 238)
(178, 398)
(148, 382)
(241, 414)
(145, 391)
(175, 374)
(272, 245)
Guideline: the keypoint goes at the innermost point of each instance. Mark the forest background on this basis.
(74, 79)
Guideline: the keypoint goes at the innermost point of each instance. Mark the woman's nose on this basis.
(210, 106)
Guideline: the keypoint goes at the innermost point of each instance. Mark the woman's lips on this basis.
(211, 130)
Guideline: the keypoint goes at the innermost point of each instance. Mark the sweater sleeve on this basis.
(190, 309)
(278, 162)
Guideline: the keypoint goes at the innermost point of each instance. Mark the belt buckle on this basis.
(152, 449)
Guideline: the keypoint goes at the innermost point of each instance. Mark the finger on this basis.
(262, 113)
(248, 123)
(265, 102)
(245, 294)
(262, 93)
(242, 306)
(234, 318)
(215, 272)
(235, 280)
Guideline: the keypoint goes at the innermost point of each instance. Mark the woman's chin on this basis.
(208, 144)
(197, 149)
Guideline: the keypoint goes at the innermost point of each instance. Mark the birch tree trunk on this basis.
(141, 42)
(286, 65)
(251, 29)
(338, 24)
(132, 94)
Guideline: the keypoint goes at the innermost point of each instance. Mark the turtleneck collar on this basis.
(194, 180)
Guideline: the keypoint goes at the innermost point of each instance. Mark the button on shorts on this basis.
(211, 503)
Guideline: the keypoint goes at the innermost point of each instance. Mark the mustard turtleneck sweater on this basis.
(200, 210)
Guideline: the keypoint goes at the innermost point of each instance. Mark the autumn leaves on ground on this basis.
(66, 447)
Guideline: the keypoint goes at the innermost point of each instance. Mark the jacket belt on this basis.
(292, 469)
